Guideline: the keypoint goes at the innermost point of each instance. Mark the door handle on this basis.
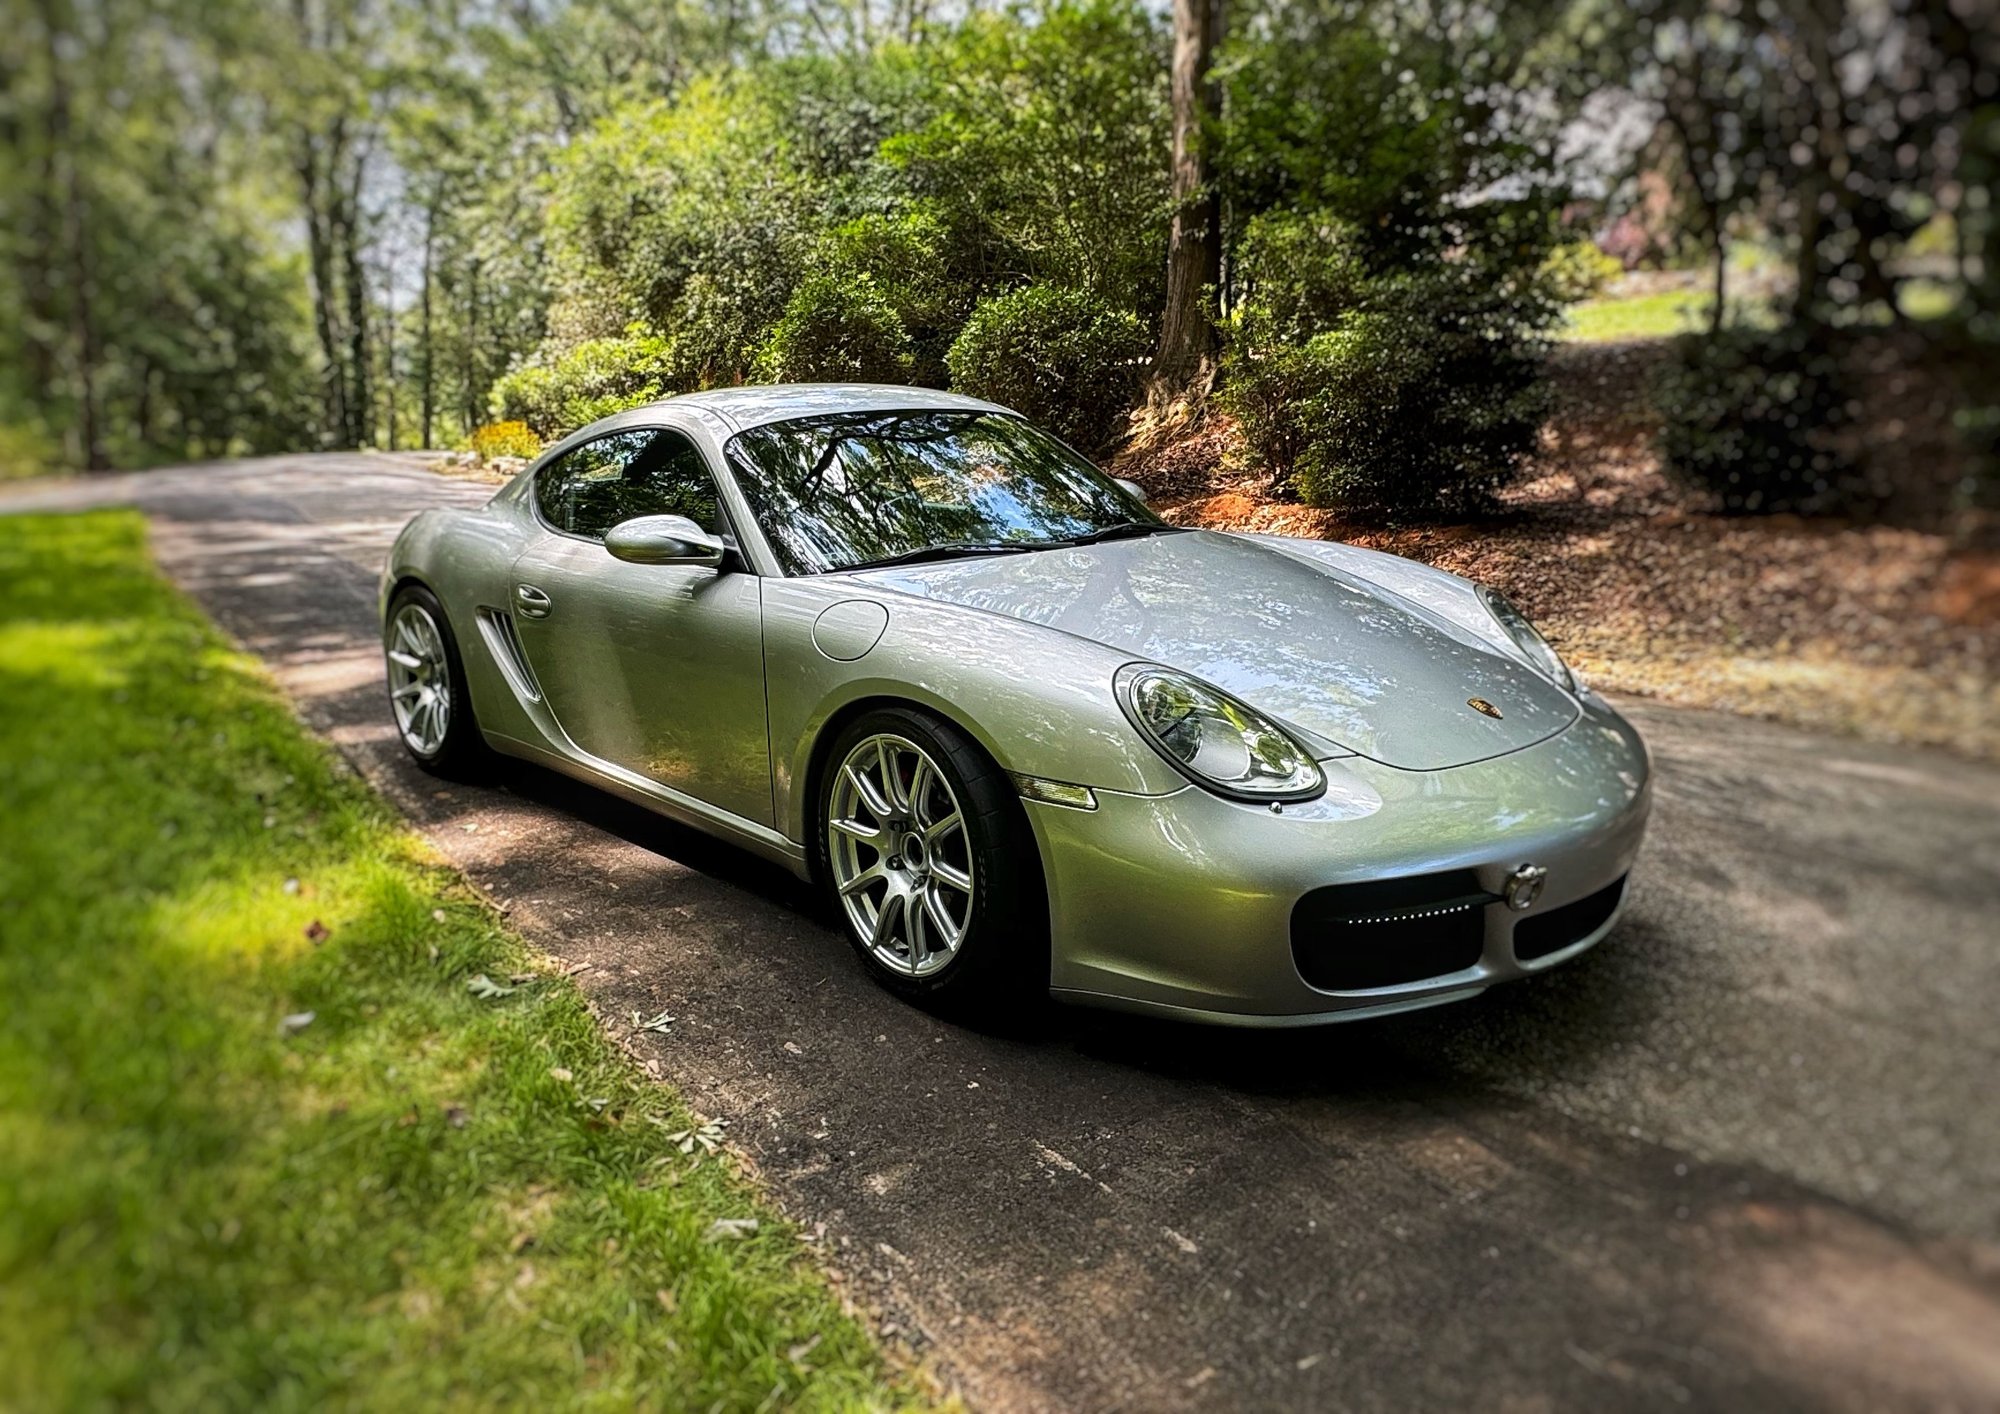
(531, 602)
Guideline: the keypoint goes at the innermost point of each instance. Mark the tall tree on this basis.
(1186, 355)
(65, 174)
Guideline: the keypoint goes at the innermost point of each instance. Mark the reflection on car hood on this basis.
(1321, 648)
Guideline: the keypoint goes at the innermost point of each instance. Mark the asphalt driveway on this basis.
(1746, 1154)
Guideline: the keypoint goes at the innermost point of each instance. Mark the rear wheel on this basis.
(427, 687)
(930, 864)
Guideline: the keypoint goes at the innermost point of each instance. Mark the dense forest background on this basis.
(1353, 228)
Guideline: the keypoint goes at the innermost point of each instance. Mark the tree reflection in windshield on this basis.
(848, 489)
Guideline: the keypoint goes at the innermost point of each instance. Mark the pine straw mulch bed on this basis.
(1890, 630)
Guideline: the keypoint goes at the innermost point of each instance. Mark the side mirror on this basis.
(663, 540)
(1138, 491)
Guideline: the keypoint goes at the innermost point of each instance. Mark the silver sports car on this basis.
(1027, 736)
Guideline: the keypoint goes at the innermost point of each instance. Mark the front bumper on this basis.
(1183, 904)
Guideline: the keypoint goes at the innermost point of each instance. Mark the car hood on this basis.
(1321, 648)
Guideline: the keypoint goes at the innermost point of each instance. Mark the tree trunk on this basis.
(424, 325)
(389, 358)
(346, 223)
(1186, 355)
(1806, 267)
(1822, 84)
(76, 242)
(319, 255)
(469, 394)
(42, 303)
(1715, 315)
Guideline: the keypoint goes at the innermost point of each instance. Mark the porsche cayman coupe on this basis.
(1026, 735)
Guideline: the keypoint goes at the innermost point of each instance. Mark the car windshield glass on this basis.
(850, 489)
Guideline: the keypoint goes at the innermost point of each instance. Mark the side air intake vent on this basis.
(496, 627)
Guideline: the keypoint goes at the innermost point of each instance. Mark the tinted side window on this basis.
(644, 472)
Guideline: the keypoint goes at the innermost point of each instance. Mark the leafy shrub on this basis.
(565, 389)
(1418, 394)
(659, 192)
(1065, 359)
(1389, 414)
(719, 324)
(1043, 146)
(503, 439)
(1978, 427)
(923, 271)
(26, 449)
(1753, 416)
(1301, 273)
(837, 330)
(1580, 270)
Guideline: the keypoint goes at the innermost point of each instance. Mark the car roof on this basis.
(753, 406)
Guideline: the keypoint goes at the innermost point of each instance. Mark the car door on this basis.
(655, 668)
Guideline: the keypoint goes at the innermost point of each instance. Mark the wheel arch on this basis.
(408, 579)
(819, 757)
(819, 762)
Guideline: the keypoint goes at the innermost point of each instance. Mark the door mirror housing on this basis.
(663, 540)
(1137, 491)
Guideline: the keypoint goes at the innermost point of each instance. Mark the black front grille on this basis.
(1555, 930)
(1351, 937)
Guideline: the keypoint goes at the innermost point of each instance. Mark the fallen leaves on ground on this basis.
(706, 1136)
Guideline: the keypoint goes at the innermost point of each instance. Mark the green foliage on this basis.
(1065, 359)
(837, 330)
(718, 324)
(1395, 288)
(1753, 417)
(503, 439)
(150, 305)
(1655, 316)
(840, 216)
(1300, 272)
(26, 448)
(1407, 393)
(1978, 426)
(1580, 270)
(1386, 118)
(908, 258)
(421, 1191)
(1044, 156)
(593, 379)
(663, 192)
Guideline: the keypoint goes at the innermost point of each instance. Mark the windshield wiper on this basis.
(1123, 530)
(951, 550)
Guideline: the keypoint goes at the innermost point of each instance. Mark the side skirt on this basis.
(675, 805)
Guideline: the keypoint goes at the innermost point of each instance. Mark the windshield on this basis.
(850, 489)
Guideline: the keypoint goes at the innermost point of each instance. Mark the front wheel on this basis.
(427, 687)
(930, 864)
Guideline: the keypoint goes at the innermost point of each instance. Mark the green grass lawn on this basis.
(1686, 311)
(1640, 317)
(421, 1194)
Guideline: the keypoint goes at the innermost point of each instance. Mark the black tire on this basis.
(462, 755)
(1001, 966)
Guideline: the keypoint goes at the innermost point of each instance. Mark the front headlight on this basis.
(1536, 649)
(1215, 740)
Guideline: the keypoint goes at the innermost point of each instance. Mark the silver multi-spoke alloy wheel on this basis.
(901, 857)
(419, 679)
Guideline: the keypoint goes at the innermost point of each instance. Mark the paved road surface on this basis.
(1746, 1154)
